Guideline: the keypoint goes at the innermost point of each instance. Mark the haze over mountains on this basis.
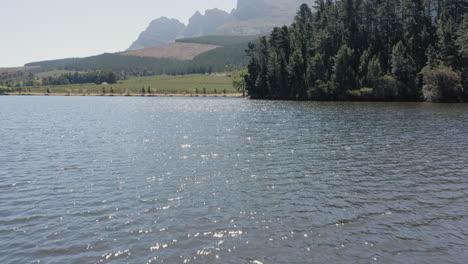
(213, 41)
(250, 17)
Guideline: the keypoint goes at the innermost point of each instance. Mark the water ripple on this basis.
(206, 180)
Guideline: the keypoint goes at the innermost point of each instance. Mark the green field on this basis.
(183, 84)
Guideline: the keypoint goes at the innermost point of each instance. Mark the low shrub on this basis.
(442, 84)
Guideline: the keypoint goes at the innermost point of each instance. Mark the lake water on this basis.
(218, 180)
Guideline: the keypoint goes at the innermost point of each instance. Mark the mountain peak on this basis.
(200, 25)
(251, 17)
(251, 9)
(160, 31)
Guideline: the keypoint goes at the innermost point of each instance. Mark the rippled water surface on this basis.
(216, 180)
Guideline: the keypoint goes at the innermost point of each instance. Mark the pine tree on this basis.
(432, 57)
(302, 29)
(316, 70)
(316, 75)
(462, 44)
(415, 24)
(273, 75)
(343, 73)
(389, 28)
(374, 72)
(462, 38)
(350, 29)
(364, 67)
(262, 79)
(448, 52)
(404, 70)
(253, 69)
(285, 43)
(297, 75)
(369, 22)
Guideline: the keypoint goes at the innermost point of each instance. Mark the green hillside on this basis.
(224, 59)
(230, 57)
(49, 65)
(129, 65)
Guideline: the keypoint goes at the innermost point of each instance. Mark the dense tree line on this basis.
(17, 79)
(97, 77)
(365, 50)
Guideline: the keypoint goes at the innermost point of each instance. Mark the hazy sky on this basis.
(34, 30)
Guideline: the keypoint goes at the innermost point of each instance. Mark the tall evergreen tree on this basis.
(374, 72)
(350, 31)
(403, 68)
(273, 75)
(364, 67)
(415, 26)
(302, 29)
(316, 76)
(297, 75)
(448, 54)
(462, 45)
(343, 72)
(462, 38)
(254, 70)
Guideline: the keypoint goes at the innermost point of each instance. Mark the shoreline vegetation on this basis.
(211, 85)
(363, 50)
(231, 95)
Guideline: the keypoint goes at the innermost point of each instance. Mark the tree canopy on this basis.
(386, 47)
(97, 77)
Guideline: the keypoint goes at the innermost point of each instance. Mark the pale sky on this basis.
(35, 30)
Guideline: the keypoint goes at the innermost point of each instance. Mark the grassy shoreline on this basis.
(164, 85)
(125, 95)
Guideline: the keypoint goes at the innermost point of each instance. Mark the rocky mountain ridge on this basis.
(160, 31)
(250, 17)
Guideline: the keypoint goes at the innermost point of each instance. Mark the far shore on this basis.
(125, 95)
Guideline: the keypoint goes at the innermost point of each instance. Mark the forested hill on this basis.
(406, 50)
(229, 57)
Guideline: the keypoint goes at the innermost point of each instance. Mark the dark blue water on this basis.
(216, 180)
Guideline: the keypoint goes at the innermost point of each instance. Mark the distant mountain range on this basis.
(213, 41)
(250, 17)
